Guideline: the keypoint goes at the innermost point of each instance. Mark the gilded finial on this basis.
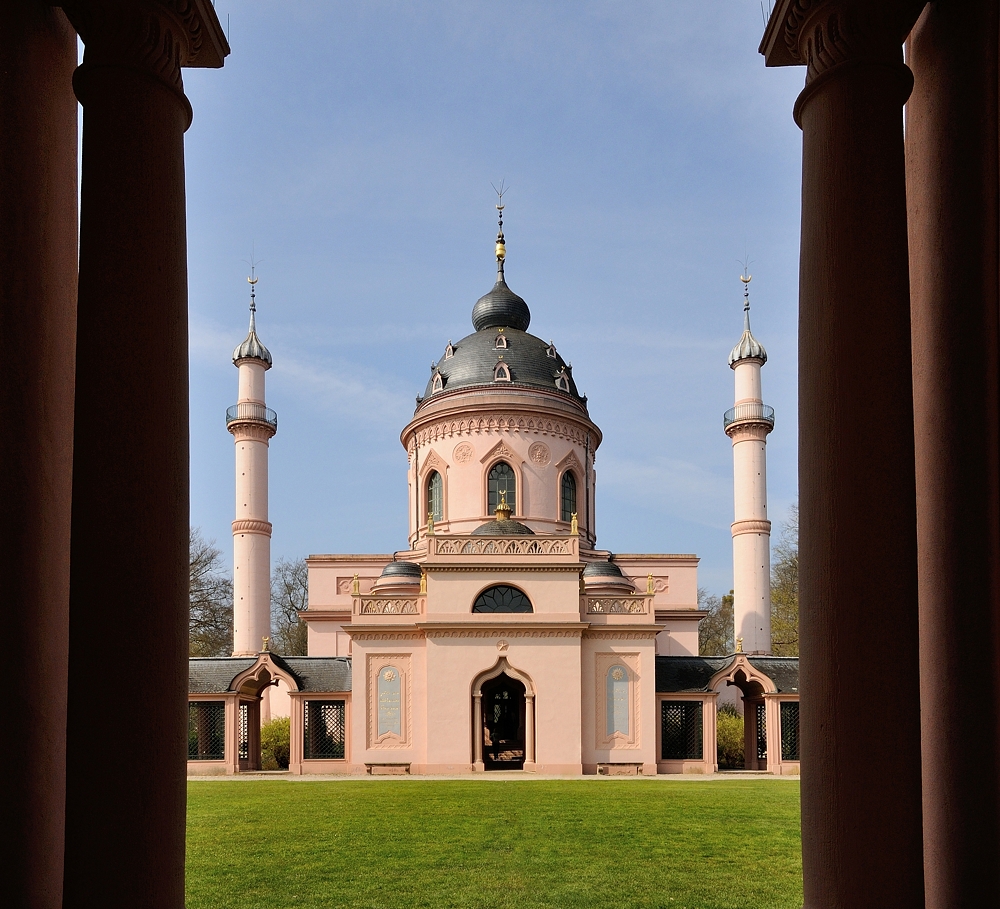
(650, 585)
(265, 641)
(739, 645)
(423, 582)
(504, 510)
(356, 587)
(574, 525)
(430, 523)
(501, 246)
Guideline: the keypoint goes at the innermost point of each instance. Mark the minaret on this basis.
(748, 424)
(252, 424)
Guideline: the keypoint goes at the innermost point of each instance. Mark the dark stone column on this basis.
(38, 186)
(125, 807)
(952, 186)
(861, 839)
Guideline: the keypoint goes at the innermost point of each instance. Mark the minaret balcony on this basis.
(249, 412)
(749, 412)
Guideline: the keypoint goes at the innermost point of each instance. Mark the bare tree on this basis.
(715, 633)
(289, 597)
(785, 588)
(210, 627)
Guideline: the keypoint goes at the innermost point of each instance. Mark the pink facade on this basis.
(501, 638)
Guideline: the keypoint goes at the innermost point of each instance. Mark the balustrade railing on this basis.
(388, 605)
(750, 412)
(503, 546)
(250, 412)
(618, 605)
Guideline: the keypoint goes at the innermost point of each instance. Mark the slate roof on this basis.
(214, 675)
(527, 357)
(691, 673)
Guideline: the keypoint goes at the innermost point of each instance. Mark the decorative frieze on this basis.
(388, 606)
(485, 423)
(501, 546)
(247, 525)
(617, 605)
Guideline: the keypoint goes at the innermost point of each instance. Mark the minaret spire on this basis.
(252, 424)
(748, 423)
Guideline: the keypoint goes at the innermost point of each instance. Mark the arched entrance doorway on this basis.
(503, 724)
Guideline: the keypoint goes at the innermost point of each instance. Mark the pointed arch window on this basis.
(449, 351)
(550, 351)
(501, 479)
(501, 342)
(568, 496)
(438, 383)
(562, 383)
(435, 496)
(501, 373)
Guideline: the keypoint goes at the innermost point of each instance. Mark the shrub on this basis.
(275, 744)
(729, 731)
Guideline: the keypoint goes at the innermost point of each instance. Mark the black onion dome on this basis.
(508, 528)
(401, 570)
(501, 308)
(531, 362)
(602, 570)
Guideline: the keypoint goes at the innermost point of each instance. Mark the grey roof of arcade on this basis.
(214, 675)
(676, 674)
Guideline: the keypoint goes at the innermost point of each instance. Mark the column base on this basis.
(478, 767)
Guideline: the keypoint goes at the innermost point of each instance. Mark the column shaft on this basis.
(38, 237)
(129, 581)
(951, 149)
(861, 840)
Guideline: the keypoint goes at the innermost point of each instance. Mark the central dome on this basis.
(501, 308)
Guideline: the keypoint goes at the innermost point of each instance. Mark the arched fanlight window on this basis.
(502, 599)
(501, 343)
(501, 372)
(562, 383)
(438, 383)
(435, 496)
(501, 479)
(568, 497)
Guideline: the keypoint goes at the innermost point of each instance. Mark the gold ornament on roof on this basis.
(739, 645)
(504, 510)
(430, 523)
(423, 582)
(650, 584)
(574, 524)
(356, 587)
(264, 642)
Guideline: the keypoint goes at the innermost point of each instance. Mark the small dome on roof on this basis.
(508, 528)
(602, 570)
(402, 570)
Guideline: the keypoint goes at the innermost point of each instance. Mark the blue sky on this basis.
(352, 146)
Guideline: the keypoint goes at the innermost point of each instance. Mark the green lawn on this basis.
(503, 843)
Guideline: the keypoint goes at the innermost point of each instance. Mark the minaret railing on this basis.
(248, 411)
(748, 412)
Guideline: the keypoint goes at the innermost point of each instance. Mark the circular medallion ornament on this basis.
(389, 675)
(617, 674)
(539, 454)
(463, 453)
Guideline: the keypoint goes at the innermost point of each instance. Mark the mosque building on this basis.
(501, 637)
